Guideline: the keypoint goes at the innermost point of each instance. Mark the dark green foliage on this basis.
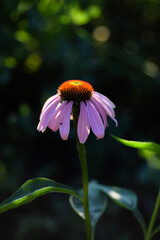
(46, 42)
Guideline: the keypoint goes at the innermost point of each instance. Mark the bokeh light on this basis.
(101, 33)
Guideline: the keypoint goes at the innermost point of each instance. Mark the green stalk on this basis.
(83, 162)
(153, 218)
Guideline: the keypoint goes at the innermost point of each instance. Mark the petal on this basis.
(100, 110)
(54, 120)
(64, 127)
(48, 102)
(104, 98)
(109, 106)
(48, 107)
(83, 128)
(95, 120)
(106, 108)
(46, 114)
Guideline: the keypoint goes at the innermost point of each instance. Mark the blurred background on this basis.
(114, 45)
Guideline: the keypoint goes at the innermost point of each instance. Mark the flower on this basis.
(93, 107)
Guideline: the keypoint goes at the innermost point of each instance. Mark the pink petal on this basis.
(64, 127)
(48, 102)
(105, 99)
(95, 120)
(83, 128)
(100, 110)
(106, 108)
(101, 99)
(47, 113)
(48, 107)
(54, 120)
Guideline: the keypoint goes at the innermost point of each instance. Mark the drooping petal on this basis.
(47, 113)
(101, 96)
(102, 99)
(48, 102)
(106, 108)
(83, 127)
(94, 108)
(48, 107)
(54, 120)
(100, 110)
(95, 120)
(64, 127)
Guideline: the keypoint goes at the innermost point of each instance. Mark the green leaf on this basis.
(156, 230)
(140, 219)
(151, 146)
(124, 198)
(152, 158)
(32, 189)
(98, 194)
(97, 203)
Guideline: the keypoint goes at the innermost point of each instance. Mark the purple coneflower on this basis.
(94, 107)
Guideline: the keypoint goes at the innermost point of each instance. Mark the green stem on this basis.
(93, 232)
(156, 230)
(153, 218)
(83, 162)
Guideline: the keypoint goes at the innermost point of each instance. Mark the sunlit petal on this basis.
(83, 127)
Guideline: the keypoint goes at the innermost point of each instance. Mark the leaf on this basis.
(140, 219)
(32, 189)
(152, 158)
(151, 146)
(124, 198)
(97, 203)
(156, 230)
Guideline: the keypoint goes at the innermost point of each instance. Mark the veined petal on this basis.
(64, 127)
(101, 99)
(98, 99)
(54, 120)
(107, 100)
(94, 108)
(100, 110)
(48, 102)
(49, 106)
(95, 120)
(46, 115)
(83, 128)
(106, 108)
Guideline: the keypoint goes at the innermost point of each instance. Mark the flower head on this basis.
(93, 110)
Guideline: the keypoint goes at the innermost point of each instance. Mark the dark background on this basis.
(112, 44)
